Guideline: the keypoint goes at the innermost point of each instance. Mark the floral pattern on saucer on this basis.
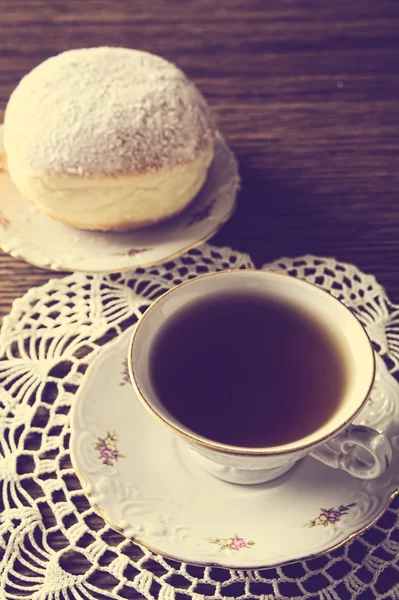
(133, 251)
(124, 373)
(4, 222)
(234, 543)
(330, 516)
(108, 451)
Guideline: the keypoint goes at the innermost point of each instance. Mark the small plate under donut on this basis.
(27, 233)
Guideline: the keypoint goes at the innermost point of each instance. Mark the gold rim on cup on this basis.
(218, 447)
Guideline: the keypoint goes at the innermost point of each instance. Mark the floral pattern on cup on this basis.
(107, 448)
(330, 516)
(234, 543)
(202, 214)
(4, 222)
(124, 373)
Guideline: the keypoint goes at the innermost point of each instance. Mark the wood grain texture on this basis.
(305, 91)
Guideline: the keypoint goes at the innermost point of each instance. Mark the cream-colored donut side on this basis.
(119, 203)
(108, 138)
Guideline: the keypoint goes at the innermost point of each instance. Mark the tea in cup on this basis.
(255, 370)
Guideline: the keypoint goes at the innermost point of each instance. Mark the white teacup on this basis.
(359, 450)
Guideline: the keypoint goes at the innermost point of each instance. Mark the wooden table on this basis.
(305, 92)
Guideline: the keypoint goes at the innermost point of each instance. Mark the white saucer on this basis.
(27, 233)
(146, 484)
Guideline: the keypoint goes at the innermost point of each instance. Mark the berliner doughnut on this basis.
(108, 138)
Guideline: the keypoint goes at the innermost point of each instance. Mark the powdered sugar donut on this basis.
(108, 138)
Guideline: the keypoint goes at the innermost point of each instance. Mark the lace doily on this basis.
(53, 546)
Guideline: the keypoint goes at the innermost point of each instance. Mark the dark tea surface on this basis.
(247, 370)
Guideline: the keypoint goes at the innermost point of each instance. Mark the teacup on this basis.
(361, 451)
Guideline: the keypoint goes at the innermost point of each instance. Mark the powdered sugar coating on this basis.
(106, 111)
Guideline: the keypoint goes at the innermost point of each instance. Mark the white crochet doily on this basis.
(53, 546)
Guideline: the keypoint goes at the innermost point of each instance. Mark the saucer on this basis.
(27, 233)
(146, 484)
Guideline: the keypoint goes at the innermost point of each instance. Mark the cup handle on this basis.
(352, 449)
